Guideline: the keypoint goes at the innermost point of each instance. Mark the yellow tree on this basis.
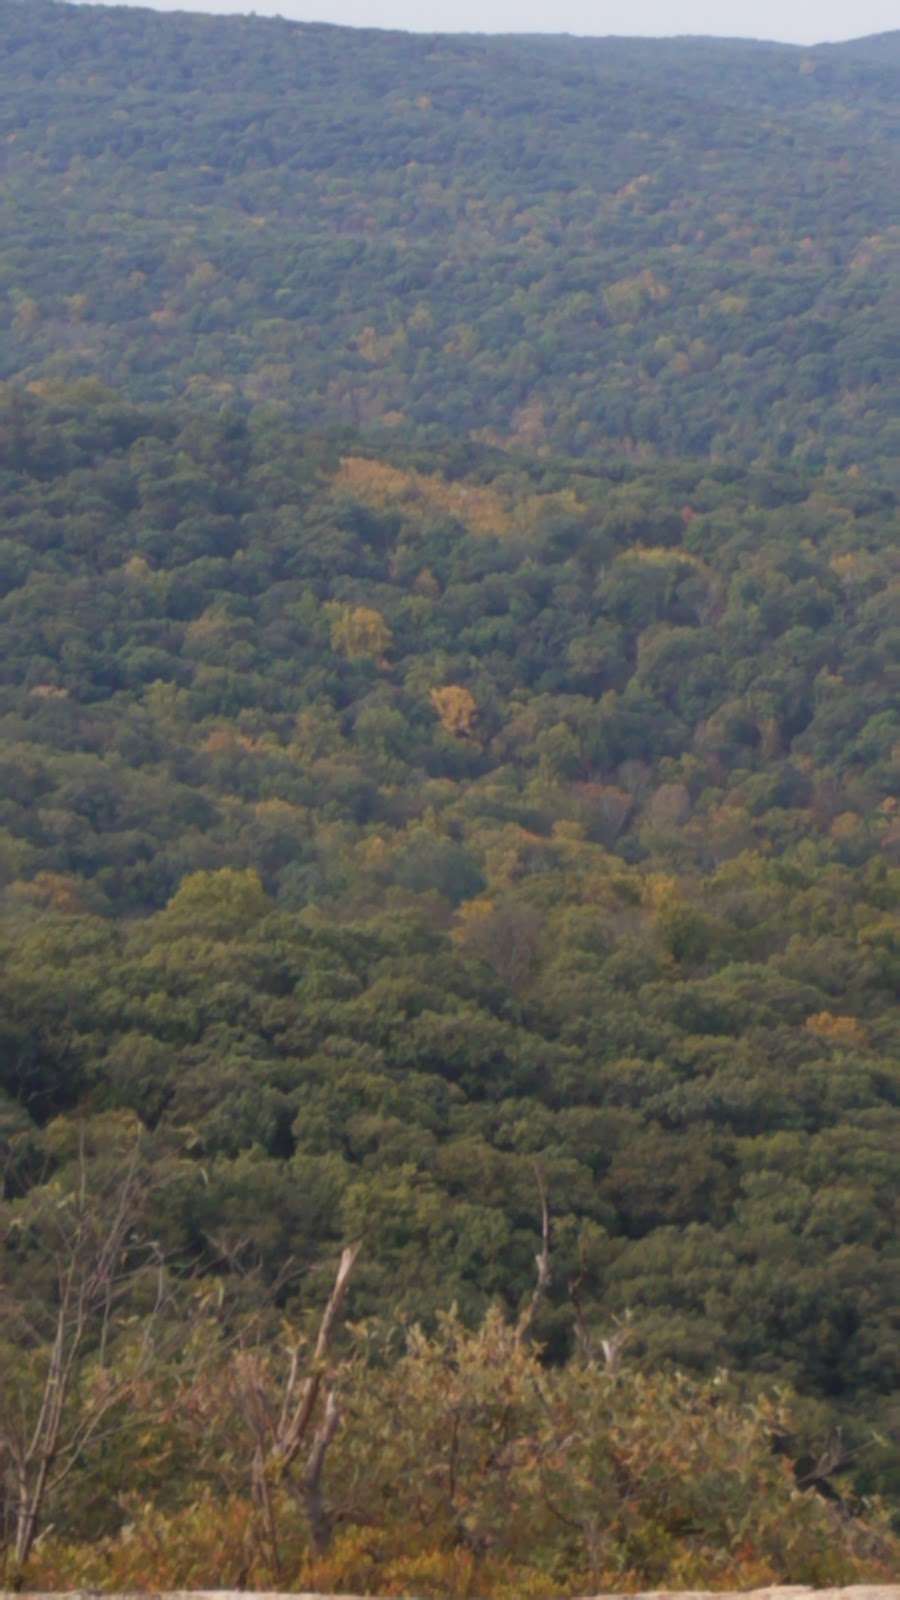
(456, 709)
(358, 631)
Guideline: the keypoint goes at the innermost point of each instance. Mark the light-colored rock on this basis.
(797, 1591)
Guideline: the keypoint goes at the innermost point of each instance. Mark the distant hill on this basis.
(881, 48)
(651, 246)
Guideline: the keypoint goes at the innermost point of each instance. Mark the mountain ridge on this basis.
(858, 42)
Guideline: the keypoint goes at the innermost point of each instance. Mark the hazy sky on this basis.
(796, 21)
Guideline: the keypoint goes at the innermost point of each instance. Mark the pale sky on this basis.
(794, 21)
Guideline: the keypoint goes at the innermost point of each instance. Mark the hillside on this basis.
(376, 828)
(665, 247)
(448, 809)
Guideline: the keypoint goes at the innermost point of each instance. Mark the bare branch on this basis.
(582, 1332)
(298, 1424)
(279, 1430)
(319, 1520)
(542, 1263)
(91, 1247)
(336, 1299)
(616, 1342)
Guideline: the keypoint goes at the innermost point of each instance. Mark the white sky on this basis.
(794, 21)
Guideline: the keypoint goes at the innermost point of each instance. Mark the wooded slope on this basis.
(375, 828)
(667, 246)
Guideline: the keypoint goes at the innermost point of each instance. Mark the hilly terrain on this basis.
(394, 839)
(659, 247)
(448, 809)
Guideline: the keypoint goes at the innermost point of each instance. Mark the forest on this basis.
(389, 841)
(449, 817)
(650, 247)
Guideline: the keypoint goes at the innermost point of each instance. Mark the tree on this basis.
(293, 1411)
(71, 1360)
(223, 904)
(456, 709)
(359, 632)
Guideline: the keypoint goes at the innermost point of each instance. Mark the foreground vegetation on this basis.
(458, 1463)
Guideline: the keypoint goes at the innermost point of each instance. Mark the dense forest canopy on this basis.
(377, 828)
(448, 769)
(683, 246)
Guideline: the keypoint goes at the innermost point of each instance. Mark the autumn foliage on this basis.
(456, 709)
(465, 1466)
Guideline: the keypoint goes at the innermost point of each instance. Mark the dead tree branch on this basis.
(280, 1428)
(98, 1265)
(542, 1263)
